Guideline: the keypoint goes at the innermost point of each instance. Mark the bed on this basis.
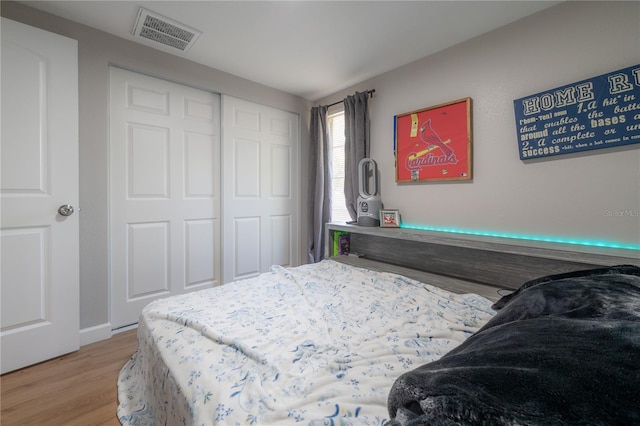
(358, 340)
(316, 344)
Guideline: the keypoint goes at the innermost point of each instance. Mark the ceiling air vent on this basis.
(157, 28)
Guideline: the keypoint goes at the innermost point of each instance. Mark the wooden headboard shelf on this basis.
(490, 262)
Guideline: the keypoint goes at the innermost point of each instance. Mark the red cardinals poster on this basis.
(434, 143)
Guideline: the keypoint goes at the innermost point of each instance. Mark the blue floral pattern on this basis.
(318, 344)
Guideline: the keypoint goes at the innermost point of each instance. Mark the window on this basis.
(339, 212)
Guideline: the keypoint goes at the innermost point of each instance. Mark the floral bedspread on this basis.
(315, 344)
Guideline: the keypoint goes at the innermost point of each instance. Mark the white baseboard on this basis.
(125, 328)
(101, 332)
(95, 334)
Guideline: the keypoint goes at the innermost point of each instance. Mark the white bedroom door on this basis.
(164, 191)
(261, 178)
(39, 246)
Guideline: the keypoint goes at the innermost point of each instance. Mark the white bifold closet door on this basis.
(40, 247)
(164, 191)
(261, 186)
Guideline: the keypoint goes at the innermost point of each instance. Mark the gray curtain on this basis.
(356, 145)
(319, 182)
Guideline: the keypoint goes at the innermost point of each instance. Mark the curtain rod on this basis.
(370, 92)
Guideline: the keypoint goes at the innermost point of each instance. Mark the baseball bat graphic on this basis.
(426, 151)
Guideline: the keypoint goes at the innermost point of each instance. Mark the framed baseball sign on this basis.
(434, 144)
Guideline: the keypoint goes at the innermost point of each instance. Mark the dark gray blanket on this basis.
(562, 349)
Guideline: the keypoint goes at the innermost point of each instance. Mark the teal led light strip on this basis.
(607, 244)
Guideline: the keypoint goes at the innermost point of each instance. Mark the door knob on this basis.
(65, 210)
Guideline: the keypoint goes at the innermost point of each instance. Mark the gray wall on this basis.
(97, 50)
(568, 196)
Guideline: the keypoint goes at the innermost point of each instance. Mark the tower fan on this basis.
(369, 204)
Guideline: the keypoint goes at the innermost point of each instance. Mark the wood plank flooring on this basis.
(75, 389)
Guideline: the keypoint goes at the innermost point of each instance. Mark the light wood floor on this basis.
(75, 389)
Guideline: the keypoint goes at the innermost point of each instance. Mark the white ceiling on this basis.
(308, 48)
